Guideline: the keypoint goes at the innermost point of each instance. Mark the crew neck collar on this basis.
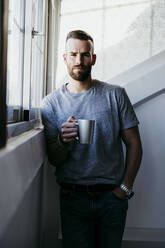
(81, 93)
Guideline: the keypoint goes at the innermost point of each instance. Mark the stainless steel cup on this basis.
(85, 131)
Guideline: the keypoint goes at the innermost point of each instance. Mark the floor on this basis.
(143, 244)
(130, 244)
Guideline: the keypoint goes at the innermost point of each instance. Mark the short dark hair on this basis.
(79, 34)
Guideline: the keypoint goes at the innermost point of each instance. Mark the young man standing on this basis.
(95, 181)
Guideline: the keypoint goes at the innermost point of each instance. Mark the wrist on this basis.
(128, 191)
(128, 183)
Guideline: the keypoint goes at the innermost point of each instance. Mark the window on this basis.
(26, 36)
(26, 58)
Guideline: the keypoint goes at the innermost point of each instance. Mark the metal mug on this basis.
(85, 131)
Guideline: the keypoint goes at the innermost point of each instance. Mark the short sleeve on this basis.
(48, 119)
(127, 114)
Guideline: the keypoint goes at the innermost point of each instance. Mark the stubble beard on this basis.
(80, 75)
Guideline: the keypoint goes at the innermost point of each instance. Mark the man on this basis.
(95, 180)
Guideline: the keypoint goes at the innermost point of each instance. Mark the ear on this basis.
(93, 59)
(64, 57)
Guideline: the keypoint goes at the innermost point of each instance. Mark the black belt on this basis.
(88, 188)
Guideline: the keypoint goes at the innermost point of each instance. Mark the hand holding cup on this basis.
(69, 130)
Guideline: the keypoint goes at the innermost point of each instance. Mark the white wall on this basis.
(145, 85)
(149, 202)
(21, 180)
(51, 214)
(125, 32)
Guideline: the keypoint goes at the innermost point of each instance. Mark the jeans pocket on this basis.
(118, 198)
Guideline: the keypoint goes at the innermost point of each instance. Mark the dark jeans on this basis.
(92, 220)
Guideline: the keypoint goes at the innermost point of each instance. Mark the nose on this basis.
(78, 59)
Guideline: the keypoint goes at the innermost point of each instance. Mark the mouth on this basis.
(78, 68)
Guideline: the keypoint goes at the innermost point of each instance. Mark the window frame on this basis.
(3, 69)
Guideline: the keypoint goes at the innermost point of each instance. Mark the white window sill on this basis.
(18, 128)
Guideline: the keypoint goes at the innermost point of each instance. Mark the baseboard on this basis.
(144, 234)
(142, 244)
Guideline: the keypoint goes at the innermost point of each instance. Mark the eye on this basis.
(73, 54)
(86, 54)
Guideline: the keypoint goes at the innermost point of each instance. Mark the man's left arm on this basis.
(131, 139)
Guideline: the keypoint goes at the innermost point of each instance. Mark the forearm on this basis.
(57, 152)
(133, 161)
(58, 148)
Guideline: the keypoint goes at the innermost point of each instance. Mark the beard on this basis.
(81, 75)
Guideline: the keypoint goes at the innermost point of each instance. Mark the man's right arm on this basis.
(57, 149)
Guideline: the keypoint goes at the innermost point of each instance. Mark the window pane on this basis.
(38, 53)
(15, 57)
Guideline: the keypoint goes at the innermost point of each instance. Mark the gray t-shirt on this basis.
(102, 161)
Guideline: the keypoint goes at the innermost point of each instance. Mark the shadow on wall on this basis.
(147, 208)
(144, 38)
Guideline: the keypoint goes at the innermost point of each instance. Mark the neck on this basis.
(75, 86)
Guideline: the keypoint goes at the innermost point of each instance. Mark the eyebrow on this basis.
(80, 53)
